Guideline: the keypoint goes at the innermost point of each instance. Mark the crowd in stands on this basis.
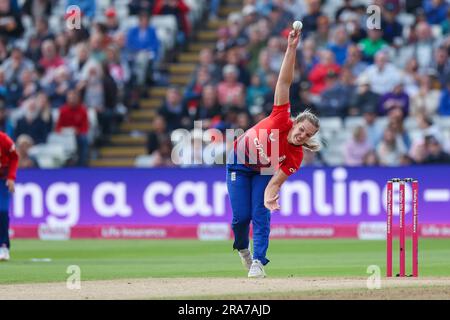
(88, 78)
(396, 72)
(82, 76)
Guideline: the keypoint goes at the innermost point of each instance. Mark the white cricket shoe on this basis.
(4, 254)
(256, 270)
(246, 258)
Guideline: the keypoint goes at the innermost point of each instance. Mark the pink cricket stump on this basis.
(402, 228)
(389, 230)
(415, 231)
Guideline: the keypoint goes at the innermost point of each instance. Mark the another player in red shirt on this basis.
(263, 158)
(9, 161)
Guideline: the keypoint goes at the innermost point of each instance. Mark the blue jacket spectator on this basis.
(435, 10)
(444, 105)
(143, 37)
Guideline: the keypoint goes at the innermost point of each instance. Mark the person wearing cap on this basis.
(112, 22)
(9, 161)
(261, 160)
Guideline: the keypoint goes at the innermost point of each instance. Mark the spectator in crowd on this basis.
(363, 98)
(256, 92)
(383, 75)
(209, 111)
(231, 92)
(427, 98)
(396, 123)
(179, 9)
(334, 99)
(339, 45)
(444, 104)
(159, 131)
(392, 29)
(162, 157)
(16, 64)
(435, 153)
(174, 110)
(354, 61)
(422, 48)
(57, 89)
(396, 99)
(357, 148)
(143, 44)
(23, 145)
(346, 8)
(373, 129)
(319, 72)
(390, 149)
(31, 123)
(112, 24)
(206, 60)
(311, 18)
(321, 36)
(5, 124)
(73, 114)
(277, 19)
(50, 60)
(11, 23)
(194, 89)
(435, 10)
(441, 63)
(370, 159)
(372, 44)
(45, 110)
(427, 127)
(308, 57)
(445, 25)
(38, 9)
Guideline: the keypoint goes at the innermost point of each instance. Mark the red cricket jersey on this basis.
(255, 147)
(9, 159)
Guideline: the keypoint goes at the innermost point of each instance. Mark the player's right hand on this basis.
(272, 204)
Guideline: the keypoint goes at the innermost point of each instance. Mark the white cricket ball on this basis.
(297, 25)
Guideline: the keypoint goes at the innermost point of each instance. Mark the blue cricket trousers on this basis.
(246, 191)
(4, 215)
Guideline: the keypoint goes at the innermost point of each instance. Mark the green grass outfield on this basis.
(117, 259)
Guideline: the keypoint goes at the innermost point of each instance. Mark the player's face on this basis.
(301, 133)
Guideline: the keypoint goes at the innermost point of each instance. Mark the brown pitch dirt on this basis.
(234, 288)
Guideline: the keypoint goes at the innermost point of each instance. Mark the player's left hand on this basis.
(272, 203)
(10, 185)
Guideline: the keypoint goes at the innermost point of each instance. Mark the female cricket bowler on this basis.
(9, 161)
(253, 195)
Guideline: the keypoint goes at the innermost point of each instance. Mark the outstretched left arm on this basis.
(271, 193)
